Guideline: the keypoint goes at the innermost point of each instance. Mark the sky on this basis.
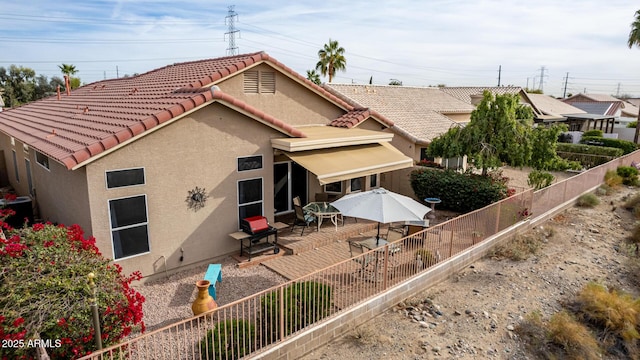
(578, 43)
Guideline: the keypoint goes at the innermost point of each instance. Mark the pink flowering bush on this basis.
(44, 292)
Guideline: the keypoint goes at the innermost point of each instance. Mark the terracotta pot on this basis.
(203, 302)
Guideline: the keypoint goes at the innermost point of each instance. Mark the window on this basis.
(334, 188)
(127, 177)
(373, 181)
(356, 184)
(42, 159)
(424, 156)
(259, 82)
(250, 198)
(15, 165)
(129, 226)
(250, 163)
(27, 165)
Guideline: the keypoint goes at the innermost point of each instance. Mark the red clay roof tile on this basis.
(100, 116)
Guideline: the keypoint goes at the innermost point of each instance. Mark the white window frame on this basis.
(44, 166)
(362, 184)
(335, 192)
(144, 177)
(249, 156)
(111, 229)
(261, 201)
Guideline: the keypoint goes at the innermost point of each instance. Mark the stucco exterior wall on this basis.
(291, 103)
(199, 150)
(461, 118)
(61, 194)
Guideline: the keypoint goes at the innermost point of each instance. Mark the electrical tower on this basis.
(542, 69)
(230, 21)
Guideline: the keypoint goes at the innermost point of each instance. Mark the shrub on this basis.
(519, 248)
(540, 179)
(426, 256)
(304, 304)
(632, 202)
(632, 124)
(588, 156)
(588, 200)
(626, 146)
(575, 339)
(613, 312)
(52, 263)
(230, 339)
(612, 179)
(593, 133)
(634, 238)
(629, 175)
(459, 192)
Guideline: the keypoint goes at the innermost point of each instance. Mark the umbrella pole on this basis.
(378, 235)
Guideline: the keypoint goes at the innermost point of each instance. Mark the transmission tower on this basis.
(230, 21)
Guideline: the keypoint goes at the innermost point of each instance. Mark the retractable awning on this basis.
(348, 162)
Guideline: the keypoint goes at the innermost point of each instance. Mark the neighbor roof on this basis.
(598, 107)
(417, 112)
(465, 93)
(72, 129)
(552, 106)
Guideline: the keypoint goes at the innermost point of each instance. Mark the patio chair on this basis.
(356, 250)
(301, 219)
(392, 236)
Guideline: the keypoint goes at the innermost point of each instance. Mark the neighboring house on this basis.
(613, 113)
(419, 114)
(123, 158)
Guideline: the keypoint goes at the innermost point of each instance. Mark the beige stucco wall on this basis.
(198, 150)
(61, 194)
(461, 118)
(292, 102)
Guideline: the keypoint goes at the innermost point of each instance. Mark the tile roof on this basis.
(598, 107)
(357, 116)
(552, 106)
(100, 116)
(416, 111)
(591, 97)
(465, 93)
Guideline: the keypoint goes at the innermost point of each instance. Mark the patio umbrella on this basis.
(382, 206)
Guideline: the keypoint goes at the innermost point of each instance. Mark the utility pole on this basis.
(618, 91)
(542, 78)
(499, 73)
(566, 80)
(527, 84)
(117, 72)
(230, 20)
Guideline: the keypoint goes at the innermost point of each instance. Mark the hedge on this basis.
(626, 146)
(458, 192)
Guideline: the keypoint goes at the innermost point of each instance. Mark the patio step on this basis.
(294, 243)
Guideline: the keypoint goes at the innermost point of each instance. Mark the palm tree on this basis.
(68, 69)
(331, 59)
(313, 76)
(634, 39)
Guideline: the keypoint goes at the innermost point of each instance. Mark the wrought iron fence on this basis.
(253, 324)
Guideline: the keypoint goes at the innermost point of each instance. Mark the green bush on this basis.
(588, 200)
(612, 179)
(458, 192)
(629, 175)
(587, 155)
(426, 257)
(632, 124)
(540, 179)
(626, 146)
(593, 132)
(230, 339)
(304, 304)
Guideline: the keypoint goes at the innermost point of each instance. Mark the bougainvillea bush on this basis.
(45, 293)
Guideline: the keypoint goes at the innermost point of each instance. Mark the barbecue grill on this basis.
(258, 228)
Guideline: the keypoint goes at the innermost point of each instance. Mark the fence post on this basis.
(282, 321)
(385, 266)
(94, 311)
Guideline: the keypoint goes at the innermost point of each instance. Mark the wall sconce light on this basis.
(196, 198)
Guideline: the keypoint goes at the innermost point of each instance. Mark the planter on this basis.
(203, 302)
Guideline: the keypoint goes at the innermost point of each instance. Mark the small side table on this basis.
(432, 202)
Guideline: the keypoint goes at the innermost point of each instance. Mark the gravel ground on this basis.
(168, 300)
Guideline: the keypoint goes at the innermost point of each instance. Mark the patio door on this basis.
(289, 181)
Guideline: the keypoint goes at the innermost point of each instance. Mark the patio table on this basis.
(323, 210)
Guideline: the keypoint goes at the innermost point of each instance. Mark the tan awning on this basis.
(343, 163)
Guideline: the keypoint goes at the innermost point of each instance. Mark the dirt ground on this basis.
(473, 314)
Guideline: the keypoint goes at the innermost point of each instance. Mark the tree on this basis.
(331, 59)
(18, 83)
(45, 292)
(314, 77)
(69, 70)
(395, 82)
(497, 133)
(634, 39)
